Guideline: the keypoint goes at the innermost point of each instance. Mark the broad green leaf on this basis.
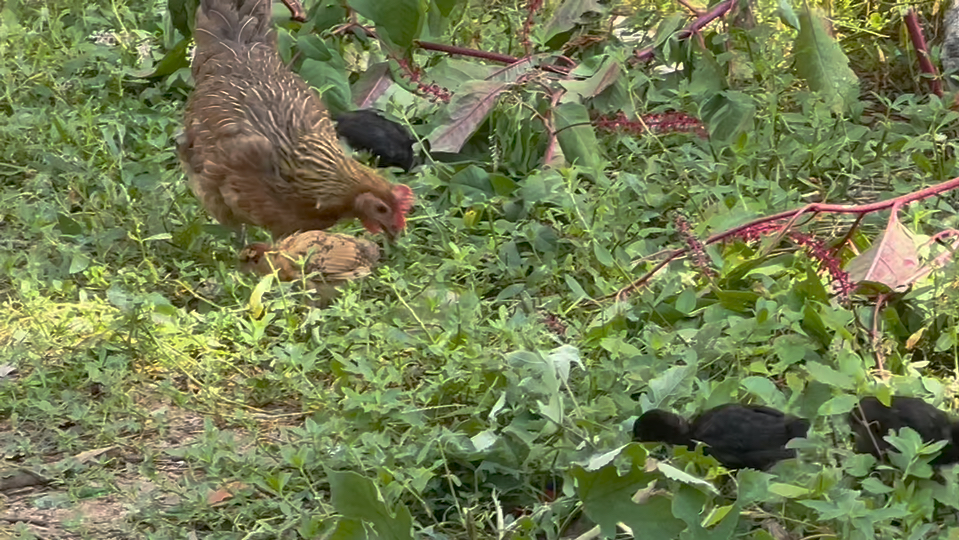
(483, 440)
(182, 15)
(602, 254)
(577, 138)
(683, 477)
(827, 375)
(838, 405)
(330, 81)
(561, 358)
(173, 60)
(326, 13)
(356, 497)
(79, 263)
(446, 6)
(686, 302)
(470, 186)
(728, 114)
(601, 460)
(256, 297)
(568, 14)
(752, 486)
(607, 500)
(764, 389)
(349, 529)
(738, 301)
(821, 62)
(575, 288)
(788, 491)
(398, 20)
(787, 14)
(578, 91)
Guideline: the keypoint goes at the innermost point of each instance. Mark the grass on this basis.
(471, 383)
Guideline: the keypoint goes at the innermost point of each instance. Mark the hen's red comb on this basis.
(404, 202)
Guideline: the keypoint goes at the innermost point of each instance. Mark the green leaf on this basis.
(788, 491)
(602, 254)
(575, 288)
(326, 13)
(752, 486)
(787, 15)
(330, 81)
(738, 301)
(838, 405)
(568, 14)
(683, 477)
(686, 302)
(471, 186)
(580, 90)
(398, 20)
(577, 138)
(172, 61)
(728, 114)
(446, 6)
(820, 61)
(830, 376)
(607, 500)
(356, 497)
(256, 297)
(79, 263)
(182, 15)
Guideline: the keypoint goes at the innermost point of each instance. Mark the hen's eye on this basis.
(382, 209)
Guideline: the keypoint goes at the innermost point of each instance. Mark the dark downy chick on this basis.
(368, 130)
(738, 436)
(871, 421)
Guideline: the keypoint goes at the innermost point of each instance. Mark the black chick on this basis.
(366, 129)
(738, 436)
(872, 420)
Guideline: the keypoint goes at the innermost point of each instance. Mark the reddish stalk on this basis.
(922, 51)
(791, 216)
(485, 55)
(296, 10)
(717, 11)
(463, 51)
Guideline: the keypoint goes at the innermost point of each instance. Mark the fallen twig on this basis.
(922, 51)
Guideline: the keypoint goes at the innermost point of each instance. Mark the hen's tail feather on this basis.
(226, 22)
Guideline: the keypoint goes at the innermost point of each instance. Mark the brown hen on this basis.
(325, 260)
(259, 147)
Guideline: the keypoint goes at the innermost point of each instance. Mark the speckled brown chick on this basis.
(325, 260)
(258, 145)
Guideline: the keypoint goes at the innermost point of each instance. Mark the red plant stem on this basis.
(841, 209)
(695, 11)
(792, 216)
(485, 55)
(296, 10)
(717, 11)
(452, 49)
(922, 51)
